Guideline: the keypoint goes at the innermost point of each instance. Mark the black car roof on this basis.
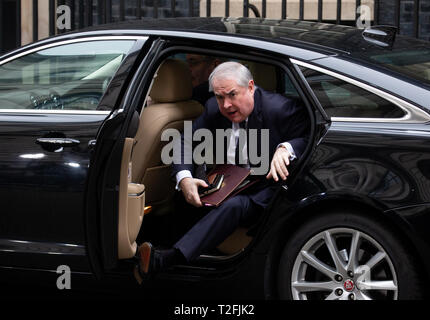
(327, 45)
(320, 36)
(325, 39)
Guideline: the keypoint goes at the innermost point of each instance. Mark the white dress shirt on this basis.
(231, 152)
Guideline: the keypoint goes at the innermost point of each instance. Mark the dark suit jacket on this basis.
(201, 93)
(286, 120)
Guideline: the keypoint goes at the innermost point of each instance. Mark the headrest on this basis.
(172, 82)
(264, 75)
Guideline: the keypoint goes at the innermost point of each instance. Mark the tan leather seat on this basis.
(264, 75)
(171, 104)
(235, 242)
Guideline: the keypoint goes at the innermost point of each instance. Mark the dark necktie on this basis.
(239, 150)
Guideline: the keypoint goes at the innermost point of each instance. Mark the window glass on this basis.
(290, 89)
(68, 77)
(412, 63)
(342, 99)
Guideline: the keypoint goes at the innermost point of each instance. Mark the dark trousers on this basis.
(217, 225)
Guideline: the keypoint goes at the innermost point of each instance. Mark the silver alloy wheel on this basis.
(343, 264)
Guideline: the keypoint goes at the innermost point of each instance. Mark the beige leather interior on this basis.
(171, 105)
(131, 207)
(237, 241)
(264, 75)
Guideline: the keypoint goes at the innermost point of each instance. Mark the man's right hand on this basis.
(190, 189)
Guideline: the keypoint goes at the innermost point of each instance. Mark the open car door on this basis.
(54, 96)
(114, 206)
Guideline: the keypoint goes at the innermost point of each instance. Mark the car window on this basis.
(290, 89)
(342, 99)
(412, 63)
(67, 77)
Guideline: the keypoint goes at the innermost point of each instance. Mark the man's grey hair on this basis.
(231, 71)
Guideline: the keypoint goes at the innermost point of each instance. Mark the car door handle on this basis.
(64, 142)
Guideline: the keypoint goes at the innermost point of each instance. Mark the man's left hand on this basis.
(278, 166)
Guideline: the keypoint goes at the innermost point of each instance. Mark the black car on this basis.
(82, 182)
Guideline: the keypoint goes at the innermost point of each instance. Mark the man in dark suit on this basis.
(201, 67)
(237, 101)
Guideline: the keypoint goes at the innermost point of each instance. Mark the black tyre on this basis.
(345, 255)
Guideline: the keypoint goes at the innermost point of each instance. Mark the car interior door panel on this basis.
(104, 237)
(131, 206)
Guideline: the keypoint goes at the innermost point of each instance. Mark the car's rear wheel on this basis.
(346, 256)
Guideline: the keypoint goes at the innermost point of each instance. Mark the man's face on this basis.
(200, 68)
(235, 102)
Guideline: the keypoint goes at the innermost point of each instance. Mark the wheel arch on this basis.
(285, 228)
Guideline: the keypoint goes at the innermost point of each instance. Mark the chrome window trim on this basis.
(56, 44)
(37, 247)
(74, 112)
(413, 113)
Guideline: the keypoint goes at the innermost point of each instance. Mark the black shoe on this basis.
(153, 260)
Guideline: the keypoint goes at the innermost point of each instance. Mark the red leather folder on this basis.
(234, 182)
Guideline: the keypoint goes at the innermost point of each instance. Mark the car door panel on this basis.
(103, 205)
(131, 206)
(45, 152)
(43, 187)
(36, 181)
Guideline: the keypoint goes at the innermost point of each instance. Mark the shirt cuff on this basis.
(181, 175)
(290, 149)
